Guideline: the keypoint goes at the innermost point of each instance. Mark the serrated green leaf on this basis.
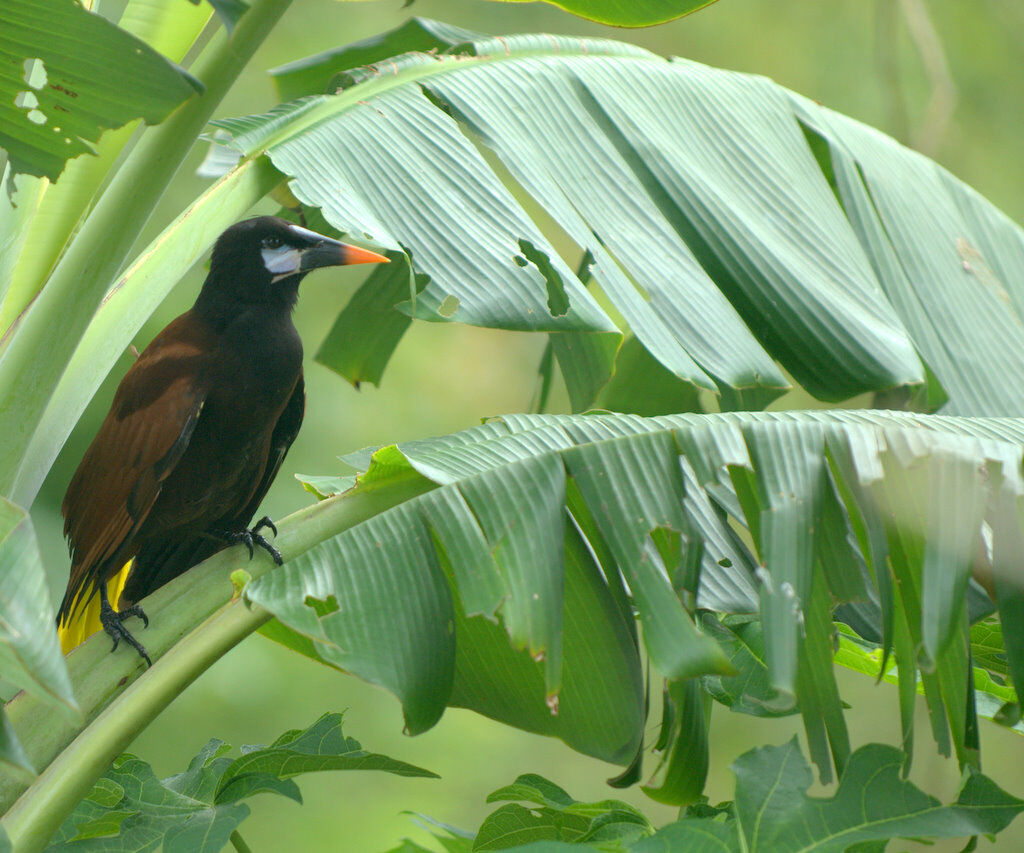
(129, 809)
(532, 788)
(513, 825)
(149, 814)
(872, 802)
(987, 647)
(697, 835)
(322, 746)
(106, 825)
(106, 792)
(557, 816)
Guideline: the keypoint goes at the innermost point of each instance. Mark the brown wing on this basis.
(147, 430)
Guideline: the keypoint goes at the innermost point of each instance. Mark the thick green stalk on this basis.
(239, 843)
(32, 362)
(203, 593)
(54, 795)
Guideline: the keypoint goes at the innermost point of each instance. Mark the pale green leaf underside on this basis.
(713, 229)
(30, 656)
(625, 479)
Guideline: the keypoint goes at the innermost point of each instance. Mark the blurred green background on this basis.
(856, 56)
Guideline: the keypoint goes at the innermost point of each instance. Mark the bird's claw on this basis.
(275, 555)
(253, 537)
(134, 610)
(265, 522)
(113, 623)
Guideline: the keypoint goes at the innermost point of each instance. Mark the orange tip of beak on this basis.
(356, 255)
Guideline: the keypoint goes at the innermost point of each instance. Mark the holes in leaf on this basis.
(35, 73)
(448, 306)
(322, 607)
(558, 301)
(26, 100)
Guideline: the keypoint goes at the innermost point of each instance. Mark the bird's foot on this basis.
(113, 623)
(253, 537)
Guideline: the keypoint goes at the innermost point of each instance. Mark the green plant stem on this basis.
(203, 593)
(39, 813)
(36, 355)
(238, 843)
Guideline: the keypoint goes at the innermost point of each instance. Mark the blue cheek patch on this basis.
(281, 261)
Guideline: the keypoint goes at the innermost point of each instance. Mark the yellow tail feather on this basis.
(86, 620)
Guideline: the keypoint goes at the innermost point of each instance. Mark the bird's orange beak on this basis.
(356, 255)
(332, 253)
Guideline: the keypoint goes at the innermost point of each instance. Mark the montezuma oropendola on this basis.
(199, 426)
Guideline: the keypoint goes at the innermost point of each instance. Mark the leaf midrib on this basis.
(333, 105)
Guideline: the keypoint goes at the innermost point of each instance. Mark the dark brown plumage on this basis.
(199, 425)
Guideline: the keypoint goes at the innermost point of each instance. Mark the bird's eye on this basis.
(270, 242)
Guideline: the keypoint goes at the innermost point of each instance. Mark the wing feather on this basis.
(148, 428)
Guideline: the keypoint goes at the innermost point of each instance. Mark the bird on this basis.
(197, 430)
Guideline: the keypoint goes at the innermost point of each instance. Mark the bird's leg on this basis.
(253, 537)
(113, 623)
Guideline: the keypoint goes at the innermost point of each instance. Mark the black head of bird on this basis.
(264, 260)
(198, 428)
